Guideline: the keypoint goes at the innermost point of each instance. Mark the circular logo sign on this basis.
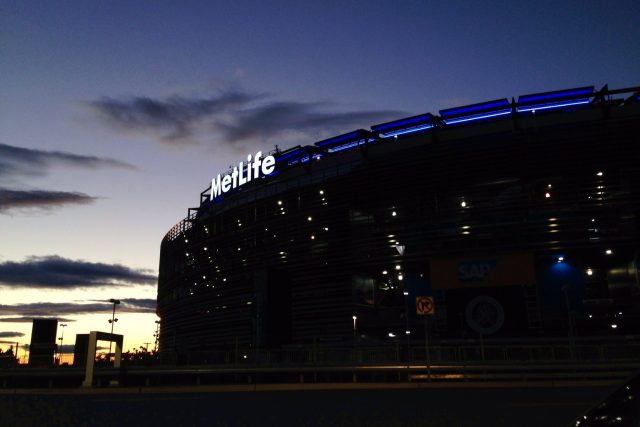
(485, 315)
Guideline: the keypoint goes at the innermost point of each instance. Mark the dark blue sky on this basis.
(115, 115)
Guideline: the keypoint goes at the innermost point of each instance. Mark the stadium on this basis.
(518, 218)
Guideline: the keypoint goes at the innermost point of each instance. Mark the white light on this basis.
(309, 218)
(405, 293)
(205, 248)
(398, 267)
(354, 317)
(560, 259)
(407, 332)
(593, 220)
(400, 277)
(385, 272)
(614, 326)
(392, 335)
(591, 316)
(589, 272)
(608, 252)
(393, 213)
(313, 237)
(549, 186)
(547, 195)
(279, 202)
(620, 313)
(463, 204)
(244, 356)
(599, 173)
(321, 192)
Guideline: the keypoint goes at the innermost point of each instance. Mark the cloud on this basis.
(53, 310)
(58, 272)
(175, 118)
(40, 199)
(232, 117)
(11, 334)
(18, 161)
(30, 319)
(272, 119)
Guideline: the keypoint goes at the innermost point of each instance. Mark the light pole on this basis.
(112, 321)
(355, 318)
(62, 325)
(407, 331)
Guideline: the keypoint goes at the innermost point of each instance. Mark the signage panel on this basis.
(483, 271)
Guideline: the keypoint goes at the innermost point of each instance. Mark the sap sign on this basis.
(474, 271)
(243, 174)
(514, 269)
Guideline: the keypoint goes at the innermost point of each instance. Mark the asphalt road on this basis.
(432, 407)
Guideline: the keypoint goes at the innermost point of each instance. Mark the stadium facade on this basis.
(520, 218)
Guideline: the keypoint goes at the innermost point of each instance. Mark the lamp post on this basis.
(355, 318)
(62, 325)
(112, 321)
(407, 331)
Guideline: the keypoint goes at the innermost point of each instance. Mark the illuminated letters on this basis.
(243, 174)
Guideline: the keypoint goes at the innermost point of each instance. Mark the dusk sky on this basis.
(115, 115)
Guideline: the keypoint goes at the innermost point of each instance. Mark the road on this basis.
(429, 406)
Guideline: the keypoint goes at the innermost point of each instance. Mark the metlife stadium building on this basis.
(520, 218)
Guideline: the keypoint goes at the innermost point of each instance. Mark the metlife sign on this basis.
(255, 168)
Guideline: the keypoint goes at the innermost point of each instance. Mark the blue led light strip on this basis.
(286, 156)
(347, 146)
(470, 108)
(553, 95)
(548, 106)
(477, 117)
(406, 131)
(338, 138)
(401, 123)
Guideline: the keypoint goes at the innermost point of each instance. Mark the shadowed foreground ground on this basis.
(437, 407)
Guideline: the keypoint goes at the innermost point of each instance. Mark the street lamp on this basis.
(407, 331)
(62, 325)
(112, 321)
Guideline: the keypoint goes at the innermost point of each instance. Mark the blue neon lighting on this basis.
(554, 95)
(287, 155)
(548, 106)
(477, 117)
(339, 138)
(406, 131)
(347, 146)
(401, 123)
(476, 107)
